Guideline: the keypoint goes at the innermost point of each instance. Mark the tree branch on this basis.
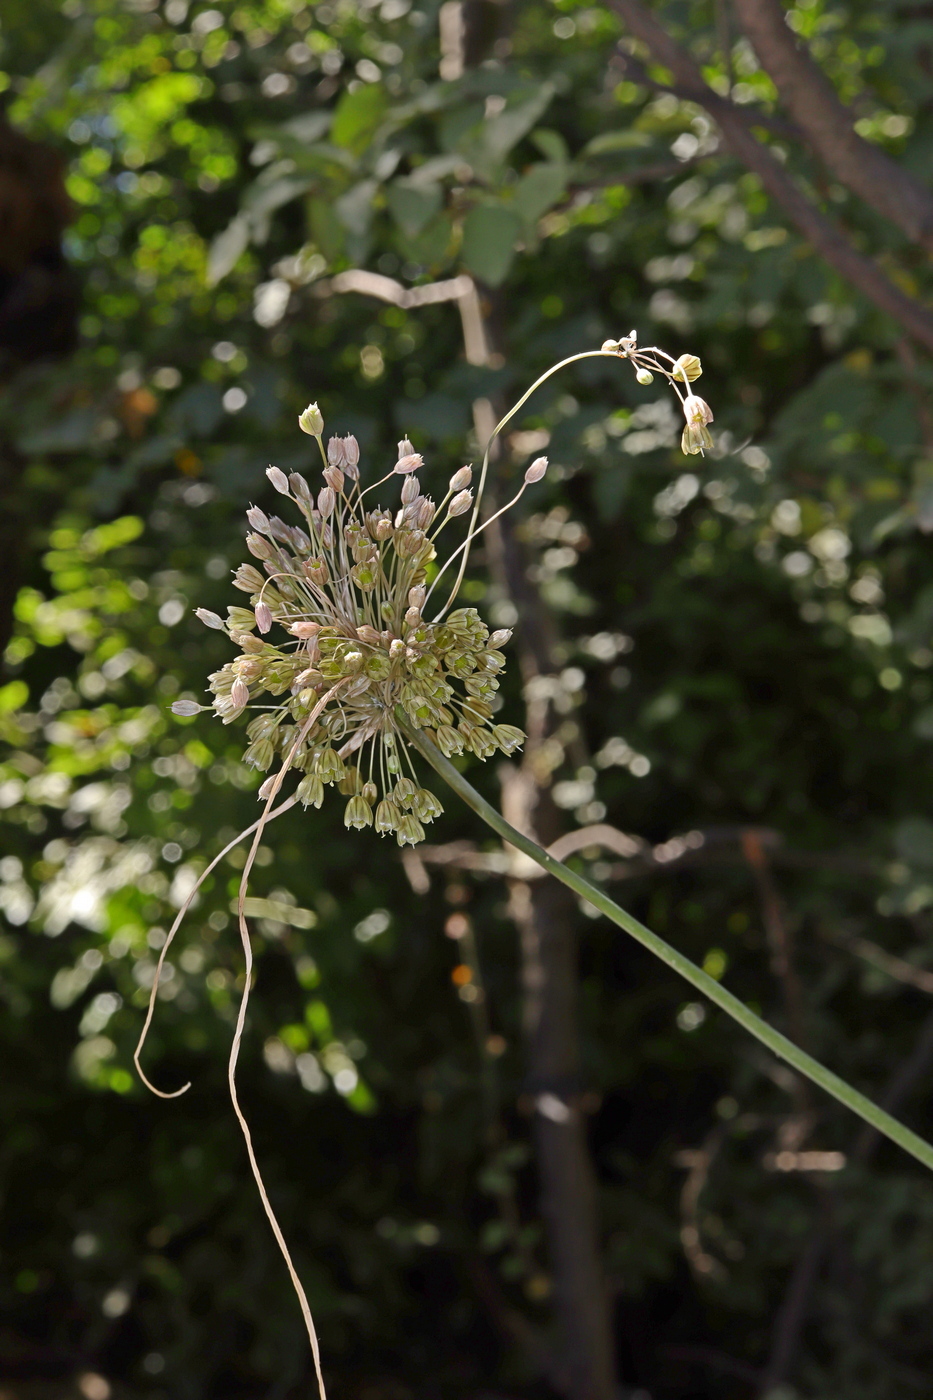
(826, 237)
(812, 101)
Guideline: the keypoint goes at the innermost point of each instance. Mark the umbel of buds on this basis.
(335, 641)
(681, 373)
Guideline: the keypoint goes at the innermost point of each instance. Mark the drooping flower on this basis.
(696, 435)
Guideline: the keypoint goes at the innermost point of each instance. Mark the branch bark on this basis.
(812, 101)
(826, 237)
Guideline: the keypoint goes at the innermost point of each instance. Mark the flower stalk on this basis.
(777, 1043)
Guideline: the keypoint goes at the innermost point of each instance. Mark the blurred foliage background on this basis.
(725, 660)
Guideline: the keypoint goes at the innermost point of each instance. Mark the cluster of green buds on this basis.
(681, 373)
(337, 610)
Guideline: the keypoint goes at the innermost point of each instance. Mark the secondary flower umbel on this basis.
(346, 590)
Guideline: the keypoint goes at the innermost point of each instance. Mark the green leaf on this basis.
(358, 116)
(540, 188)
(355, 208)
(13, 696)
(326, 229)
(609, 141)
(551, 144)
(489, 234)
(411, 206)
(226, 249)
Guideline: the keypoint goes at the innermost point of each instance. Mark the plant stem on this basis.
(779, 1044)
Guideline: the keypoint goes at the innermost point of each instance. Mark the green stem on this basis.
(779, 1044)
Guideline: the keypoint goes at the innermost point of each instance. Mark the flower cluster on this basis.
(696, 435)
(347, 588)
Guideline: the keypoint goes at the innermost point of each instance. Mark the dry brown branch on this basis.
(812, 100)
(886, 962)
(825, 236)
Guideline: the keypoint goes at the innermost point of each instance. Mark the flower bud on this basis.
(263, 617)
(326, 500)
(687, 366)
(278, 479)
(383, 528)
(300, 487)
(267, 788)
(369, 793)
(409, 463)
(411, 490)
(369, 635)
(461, 503)
(336, 452)
(405, 448)
(210, 619)
(644, 376)
(258, 519)
(461, 479)
(351, 452)
(425, 513)
(334, 478)
(536, 471)
(417, 595)
(186, 707)
(500, 637)
(239, 693)
(609, 347)
(396, 648)
(305, 630)
(312, 421)
(413, 617)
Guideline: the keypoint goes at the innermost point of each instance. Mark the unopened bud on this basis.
(461, 502)
(405, 448)
(336, 452)
(609, 347)
(417, 595)
(425, 513)
(263, 617)
(279, 480)
(210, 619)
(268, 787)
(409, 463)
(644, 376)
(368, 634)
(258, 519)
(305, 630)
(687, 366)
(300, 487)
(239, 693)
(461, 478)
(351, 451)
(334, 477)
(536, 471)
(186, 708)
(383, 529)
(413, 617)
(411, 490)
(500, 637)
(326, 500)
(312, 421)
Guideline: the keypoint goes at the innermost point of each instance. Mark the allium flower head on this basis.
(336, 617)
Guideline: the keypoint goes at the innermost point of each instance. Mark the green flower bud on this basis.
(644, 376)
(312, 421)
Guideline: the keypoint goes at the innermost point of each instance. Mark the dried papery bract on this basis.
(356, 664)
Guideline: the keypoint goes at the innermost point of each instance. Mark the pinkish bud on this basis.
(210, 619)
(413, 617)
(536, 471)
(461, 502)
(351, 451)
(411, 490)
(268, 787)
(300, 487)
(500, 637)
(405, 448)
(326, 500)
(239, 693)
(461, 479)
(279, 480)
(305, 630)
(334, 478)
(336, 452)
(417, 595)
(258, 519)
(409, 463)
(425, 513)
(186, 708)
(369, 635)
(263, 616)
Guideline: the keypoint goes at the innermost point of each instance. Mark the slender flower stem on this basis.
(779, 1044)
